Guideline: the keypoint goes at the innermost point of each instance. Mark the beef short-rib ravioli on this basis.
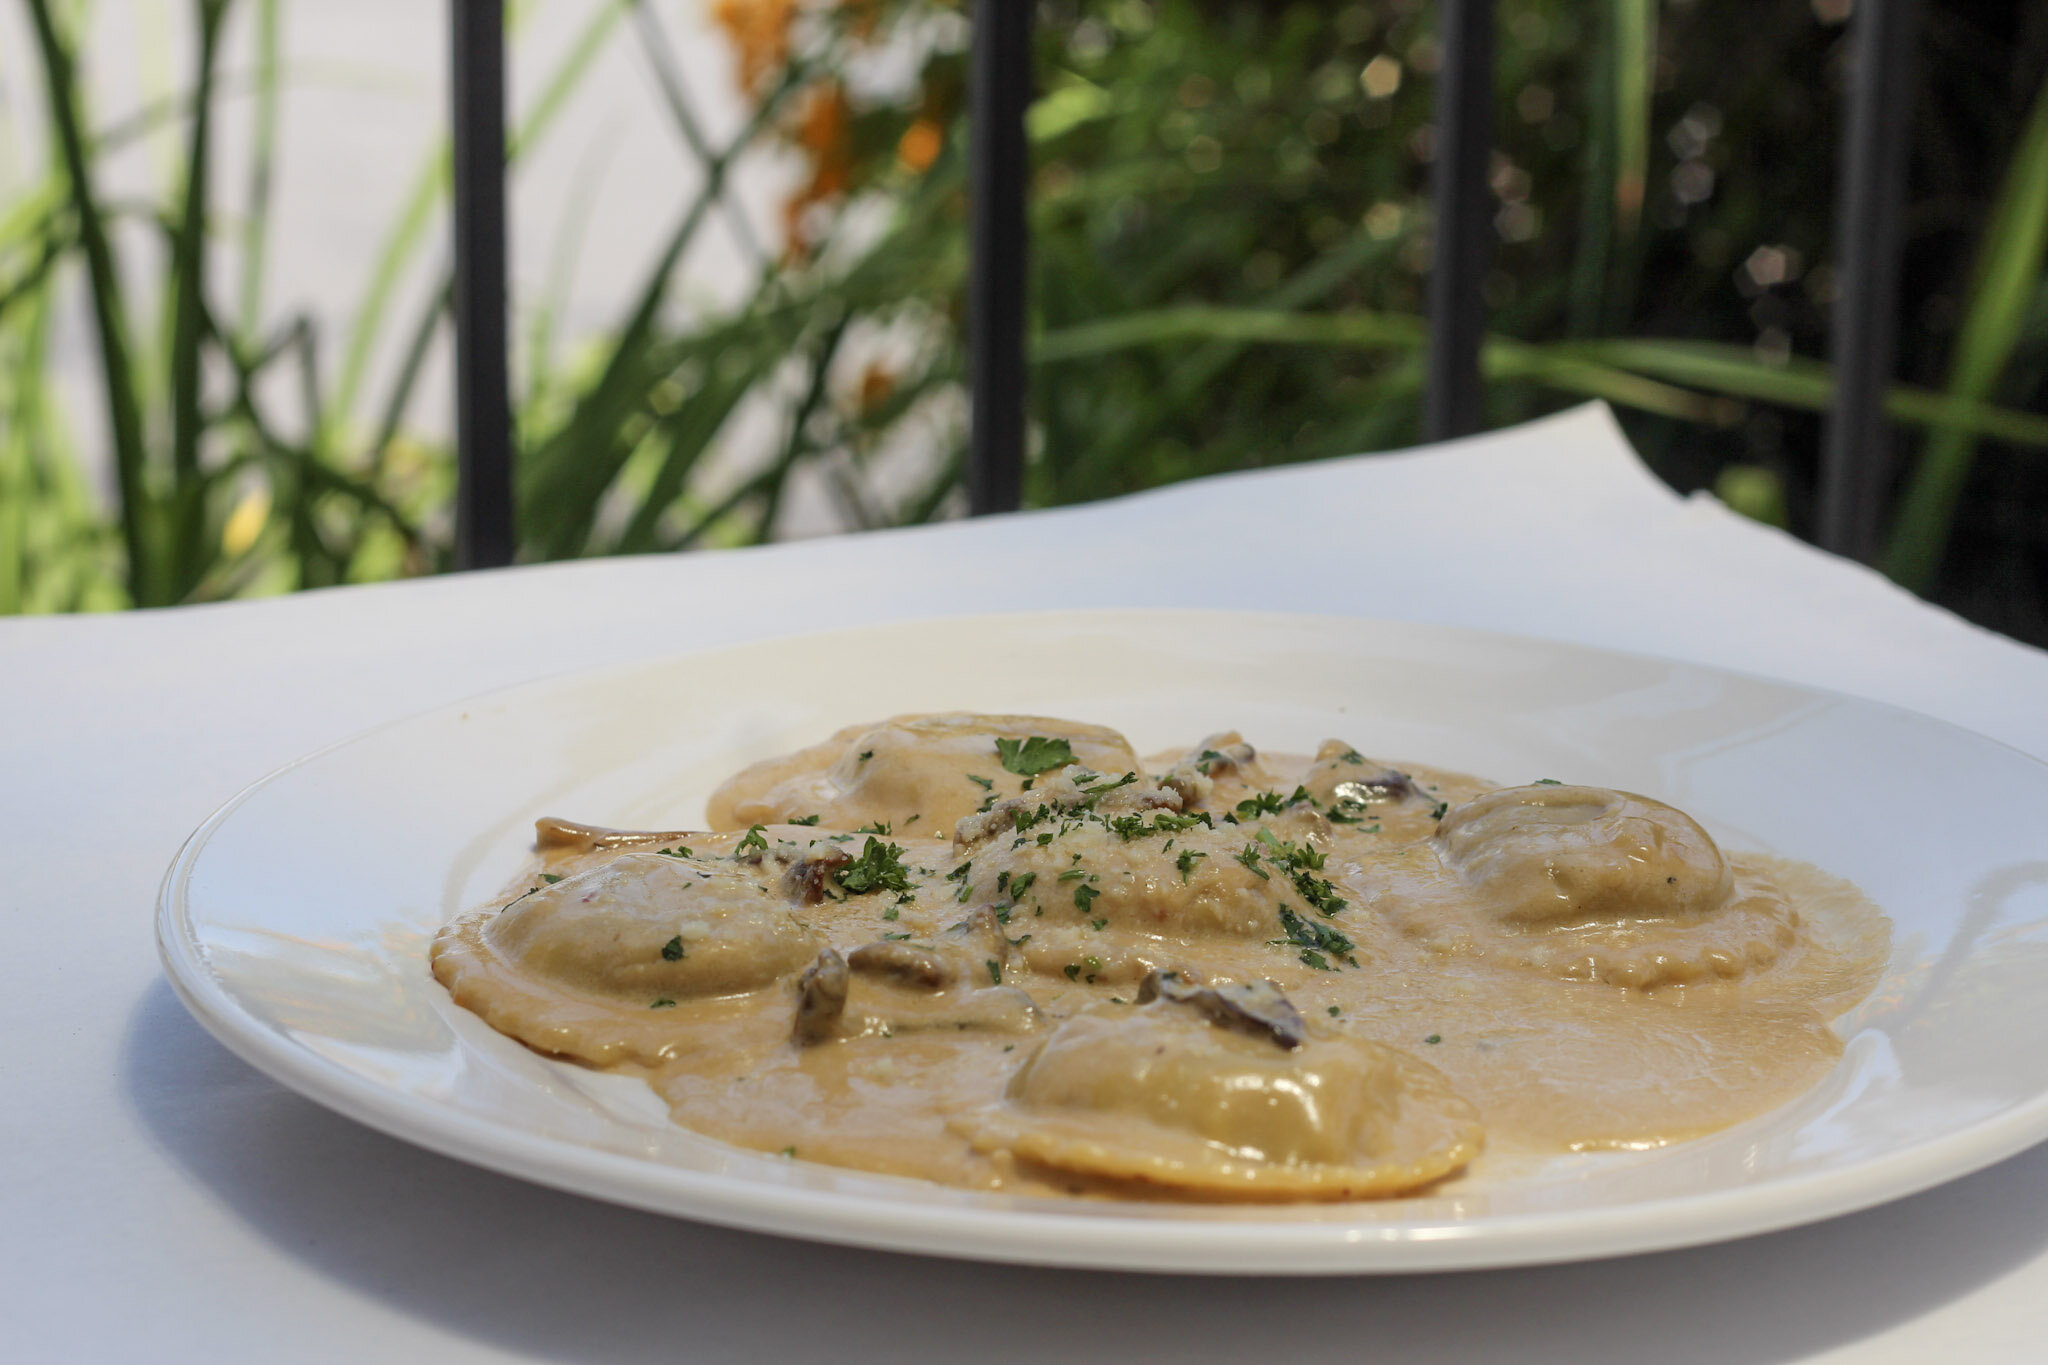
(584, 966)
(935, 768)
(1592, 884)
(1207, 1096)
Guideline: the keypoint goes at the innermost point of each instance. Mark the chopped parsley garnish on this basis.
(754, 839)
(880, 827)
(1317, 939)
(1438, 812)
(1352, 756)
(1316, 960)
(672, 951)
(896, 938)
(995, 971)
(1073, 971)
(1033, 755)
(985, 783)
(1084, 897)
(1547, 782)
(1263, 803)
(1167, 820)
(961, 872)
(1186, 862)
(1207, 761)
(866, 754)
(913, 820)
(892, 913)
(679, 851)
(1100, 924)
(1249, 856)
(1073, 874)
(551, 877)
(663, 1003)
(789, 1152)
(1021, 883)
(879, 867)
(803, 819)
(1099, 788)
(1334, 1011)
(1438, 1037)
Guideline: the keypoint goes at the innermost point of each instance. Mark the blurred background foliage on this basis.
(1230, 242)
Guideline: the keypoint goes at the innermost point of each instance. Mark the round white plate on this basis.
(295, 923)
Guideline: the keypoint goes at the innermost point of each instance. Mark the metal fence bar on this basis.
(1453, 402)
(1870, 209)
(484, 530)
(998, 172)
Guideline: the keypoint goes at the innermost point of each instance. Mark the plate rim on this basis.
(1048, 1237)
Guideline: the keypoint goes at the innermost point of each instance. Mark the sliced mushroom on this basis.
(809, 878)
(962, 955)
(821, 998)
(904, 964)
(1254, 1007)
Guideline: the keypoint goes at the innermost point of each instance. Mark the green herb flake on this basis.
(1262, 803)
(754, 839)
(663, 1003)
(672, 951)
(1311, 936)
(995, 971)
(985, 783)
(551, 877)
(1033, 755)
(789, 1152)
(878, 868)
(1249, 856)
(804, 820)
(1084, 897)
(892, 914)
(1435, 1038)
(1186, 863)
(1316, 960)
(1073, 971)
(1334, 1011)
(1438, 812)
(880, 827)
(1547, 782)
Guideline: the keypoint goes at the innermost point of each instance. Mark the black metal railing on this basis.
(1863, 332)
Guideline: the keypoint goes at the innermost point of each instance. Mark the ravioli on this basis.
(1003, 952)
(1166, 1095)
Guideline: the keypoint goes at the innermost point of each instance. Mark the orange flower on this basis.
(822, 131)
(759, 30)
(919, 146)
(876, 386)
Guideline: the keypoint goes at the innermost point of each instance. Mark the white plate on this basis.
(295, 923)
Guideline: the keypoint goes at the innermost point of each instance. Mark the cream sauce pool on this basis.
(1004, 952)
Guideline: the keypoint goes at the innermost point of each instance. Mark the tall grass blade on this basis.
(262, 159)
(2008, 269)
(1802, 383)
(124, 414)
(430, 188)
(189, 543)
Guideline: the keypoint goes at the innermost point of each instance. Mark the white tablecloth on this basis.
(162, 1201)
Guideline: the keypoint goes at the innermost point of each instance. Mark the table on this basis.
(162, 1201)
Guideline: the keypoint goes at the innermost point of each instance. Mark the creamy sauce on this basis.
(1002, 952)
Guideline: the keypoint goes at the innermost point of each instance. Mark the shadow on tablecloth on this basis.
(535, 1272)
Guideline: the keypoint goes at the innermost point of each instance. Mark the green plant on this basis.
(1230, 232)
